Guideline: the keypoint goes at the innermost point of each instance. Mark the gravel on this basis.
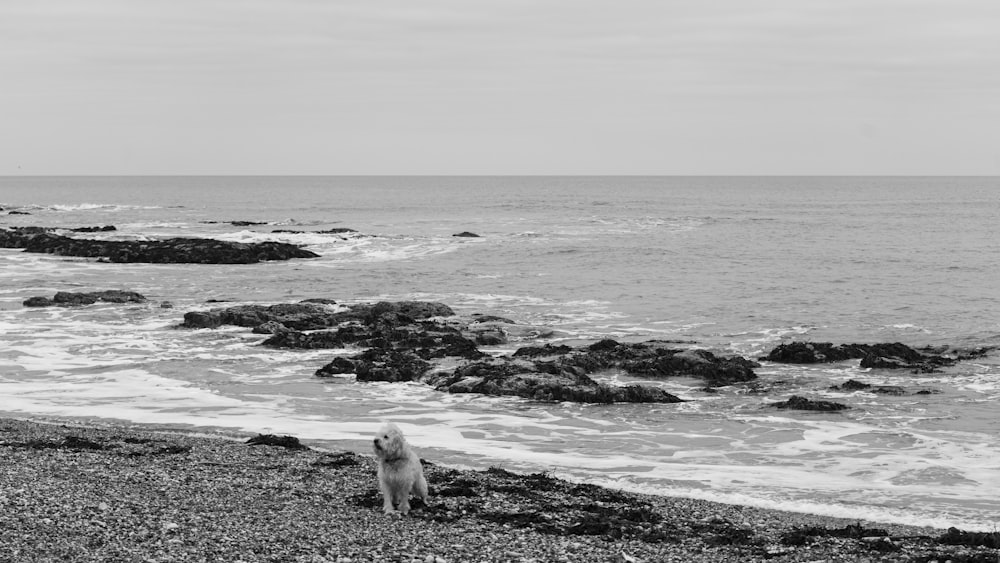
(74, 493)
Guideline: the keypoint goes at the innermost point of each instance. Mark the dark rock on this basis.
(270, 327)
(334, 231)
(878, 356)
(427, 339)
(491, 337)
(320, 301)
(105, 228)
(523, 378)
(166, 305)
(854, 385)
(295, 316)
(201, 319)
(541, 351)
(957, 354)
(287, 442)
(813, 352)
(315, 340)
(237, 223)
(68, 299)
(892, 356)
(175, 250)
(313, 314)
(801, 403)
(377, 364)
(466, 234)
(16, 212)
(655, 359)
(481, 318)
(413, 309)
(338, 366)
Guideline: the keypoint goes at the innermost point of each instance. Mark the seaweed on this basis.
(954, 536)
(287, 442)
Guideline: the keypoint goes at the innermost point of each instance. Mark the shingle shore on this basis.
(73, 493)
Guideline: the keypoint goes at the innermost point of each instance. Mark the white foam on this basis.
(93, 207)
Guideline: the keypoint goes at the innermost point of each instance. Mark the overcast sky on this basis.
(500, 87)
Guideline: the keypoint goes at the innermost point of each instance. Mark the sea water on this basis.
(734, 265)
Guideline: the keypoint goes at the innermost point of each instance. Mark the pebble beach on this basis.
(129, 493)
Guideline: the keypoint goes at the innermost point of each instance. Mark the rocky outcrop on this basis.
(466, 234)
(659, 359)
(378, 364)
(294, 316)
(855, 385)
(103, 229)
(801, 403)
(541, 382)
(541, 373)
(173, 251)
(880, 356)
(315, 314)
(238, 223)
(68, 299)
(422, 341)
(335, 231)
(813, 353)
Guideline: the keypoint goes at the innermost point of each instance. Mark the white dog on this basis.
(399, 470)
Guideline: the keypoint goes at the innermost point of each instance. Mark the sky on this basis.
(672, 87)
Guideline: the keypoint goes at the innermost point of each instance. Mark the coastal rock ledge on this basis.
(425, 342)
(167, 251)
(75, 299)
(892, 355)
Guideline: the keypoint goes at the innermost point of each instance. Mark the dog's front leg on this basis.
(387, 504)
(404, 505)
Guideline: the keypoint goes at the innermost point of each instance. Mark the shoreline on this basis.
(119, 492)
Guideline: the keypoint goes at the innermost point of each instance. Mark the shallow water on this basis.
(737, 265)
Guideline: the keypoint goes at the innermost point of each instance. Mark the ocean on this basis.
(735, 265)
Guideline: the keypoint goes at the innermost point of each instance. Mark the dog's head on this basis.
(389, 442)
